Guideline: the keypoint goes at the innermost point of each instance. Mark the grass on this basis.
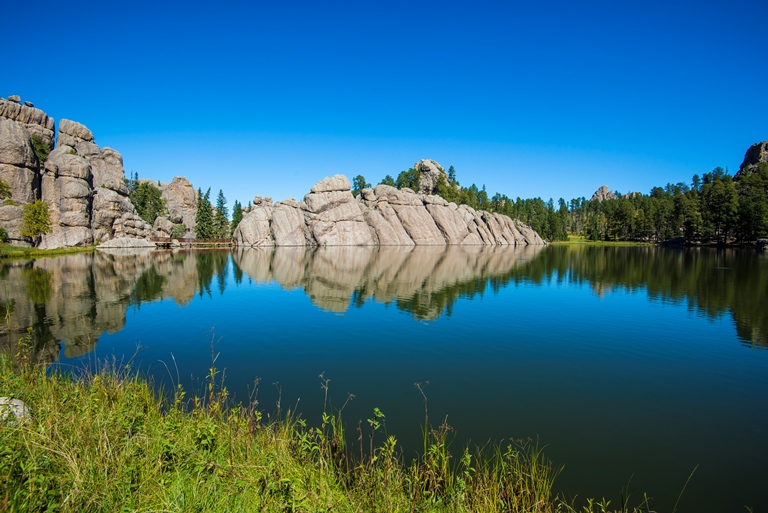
(9, 251)
(109, 441)
(580, 239)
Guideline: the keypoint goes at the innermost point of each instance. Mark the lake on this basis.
(634, 366)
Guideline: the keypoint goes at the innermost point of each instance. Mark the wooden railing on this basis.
(189, 240)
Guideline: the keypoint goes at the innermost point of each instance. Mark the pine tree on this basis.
(204, 216)
(237, 215)
(220, 215)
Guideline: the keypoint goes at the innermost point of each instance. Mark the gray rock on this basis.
(126, 242)
(384, 216)
(756, 154)
(331, 184)
(254, 230)
(18, 163)
(13, 411)
(288, 226)
(29, 104)
(429, 173)
(15, 98)
(603, 194)
(34, 120)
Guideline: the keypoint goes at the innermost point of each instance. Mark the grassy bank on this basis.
(580, 239)
(8, 251)
(107, 441)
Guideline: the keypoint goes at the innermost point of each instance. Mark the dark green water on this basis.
(633, 365)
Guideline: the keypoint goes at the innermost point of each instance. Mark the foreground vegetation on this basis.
(9, 251)
(107, 441)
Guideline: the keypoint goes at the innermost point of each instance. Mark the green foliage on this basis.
(3, 235)
(221, 227)
(237, 216)
(204, 228)
(358, 184)
(146, 198)
(410, 179)
(388, 180)
(41, 149)
(5, 189)
(36, 220)
(179, 231)
(109, 442)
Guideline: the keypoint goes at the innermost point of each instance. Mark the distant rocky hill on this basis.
(756, 154)
(83, 184)
(330, 216)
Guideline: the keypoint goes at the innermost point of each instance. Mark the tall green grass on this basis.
(110, 441)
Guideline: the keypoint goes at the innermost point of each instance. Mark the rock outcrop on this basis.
(34, 120)
(181, 201)
(83, 184)
(756, 154)
(603, 194)
(384, 216)
(429, 174)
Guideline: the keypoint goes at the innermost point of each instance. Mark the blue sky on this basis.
(549, 99)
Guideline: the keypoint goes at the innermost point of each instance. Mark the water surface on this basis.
(633, 365)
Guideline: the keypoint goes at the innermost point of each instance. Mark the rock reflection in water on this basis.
(422, 280)
(72, 300)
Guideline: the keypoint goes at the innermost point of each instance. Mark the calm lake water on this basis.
(633, 365)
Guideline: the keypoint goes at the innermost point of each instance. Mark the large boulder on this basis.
(254, 230)
(333, 217)
(181, 200)
(429, 174)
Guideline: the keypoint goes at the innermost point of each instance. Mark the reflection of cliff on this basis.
(711, 282)
(72, 300)
(424, 281)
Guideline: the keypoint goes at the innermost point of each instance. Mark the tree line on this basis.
(714, 207)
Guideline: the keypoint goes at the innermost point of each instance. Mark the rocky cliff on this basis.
(756, 154)
(330, 216)
(83, 184)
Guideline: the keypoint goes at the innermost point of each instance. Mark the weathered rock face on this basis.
(332, 215)
(756, 154)
(82, 184)
(18, 163)
(384, 216)
(34, 120)
(181, 200)
(66, 187)
(429, 173)
(603, 193)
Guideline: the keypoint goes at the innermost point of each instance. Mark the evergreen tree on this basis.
(237, 215)
(388, 180)
(146, 198)
(204, 218)
(410, 179)
(220, 217)
(358, 184)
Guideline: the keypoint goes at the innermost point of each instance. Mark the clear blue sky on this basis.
(549, 99)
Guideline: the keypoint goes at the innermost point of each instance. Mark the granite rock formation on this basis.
(603, 194)
(756, 154)
(429, 174)
(384, 216)
(181, 201)
(83, 184)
